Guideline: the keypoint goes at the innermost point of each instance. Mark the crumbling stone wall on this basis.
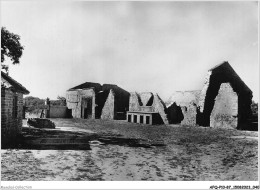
(186, 103)
(134, 102)
(10, 124)
(148, 102)
(146, 98)
(101, 98)
(74, 101)
(160, 107)
(121, 100)
(78, 101)
(204, 91)
(189, 113)
(224, 73)
(225, 110)
(108, 111)
(58, 111)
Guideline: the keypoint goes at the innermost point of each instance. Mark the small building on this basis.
(92, 100)
(11, 108)
(146, 108)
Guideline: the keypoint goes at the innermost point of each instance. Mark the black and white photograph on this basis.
(127, 92)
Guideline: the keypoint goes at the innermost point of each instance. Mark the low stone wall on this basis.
(58, 111)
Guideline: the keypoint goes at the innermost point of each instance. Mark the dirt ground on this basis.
(116, 150)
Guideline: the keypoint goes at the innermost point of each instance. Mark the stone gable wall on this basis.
(225, 110)
(160, 107)
(134, 102)
(145, 97)
(108, 111)
(204, 92)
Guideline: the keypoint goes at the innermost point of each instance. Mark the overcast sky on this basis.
(140, 46)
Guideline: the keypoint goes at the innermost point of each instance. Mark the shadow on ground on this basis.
(52, 139)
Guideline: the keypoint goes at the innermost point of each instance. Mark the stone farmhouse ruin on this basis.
(92, 100)
(11, 108)
(147, 108)
(224, 101)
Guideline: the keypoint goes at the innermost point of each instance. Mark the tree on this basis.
(62, 100)
(10, 47)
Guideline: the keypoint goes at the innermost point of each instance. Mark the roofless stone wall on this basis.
(225, 110)
(150, 103)
(160, 107)
(108, 101)
(182, 107)
(224, 101)
(218, 75)
(74, 100)
(134, 102)
(108, 111)
(204, 91)
(146, 98)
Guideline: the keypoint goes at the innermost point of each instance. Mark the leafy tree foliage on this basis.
(10, 47)
(62, 100)
(35, 104)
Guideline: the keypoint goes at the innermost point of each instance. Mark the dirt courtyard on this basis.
(116, 150)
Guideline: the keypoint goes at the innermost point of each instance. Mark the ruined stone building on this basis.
(224, 101)
(11, 108)
(147, 108)
(182, 107)
(92, 100)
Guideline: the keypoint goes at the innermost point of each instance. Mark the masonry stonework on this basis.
(224, 101)
(82, 103)
(204, 91)
(108, 101)
(225, 110)
(58, 111)
(108, 111)
(147, 108)
(182, 107)
(160, 107)
(220, 74)
(11, 115)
